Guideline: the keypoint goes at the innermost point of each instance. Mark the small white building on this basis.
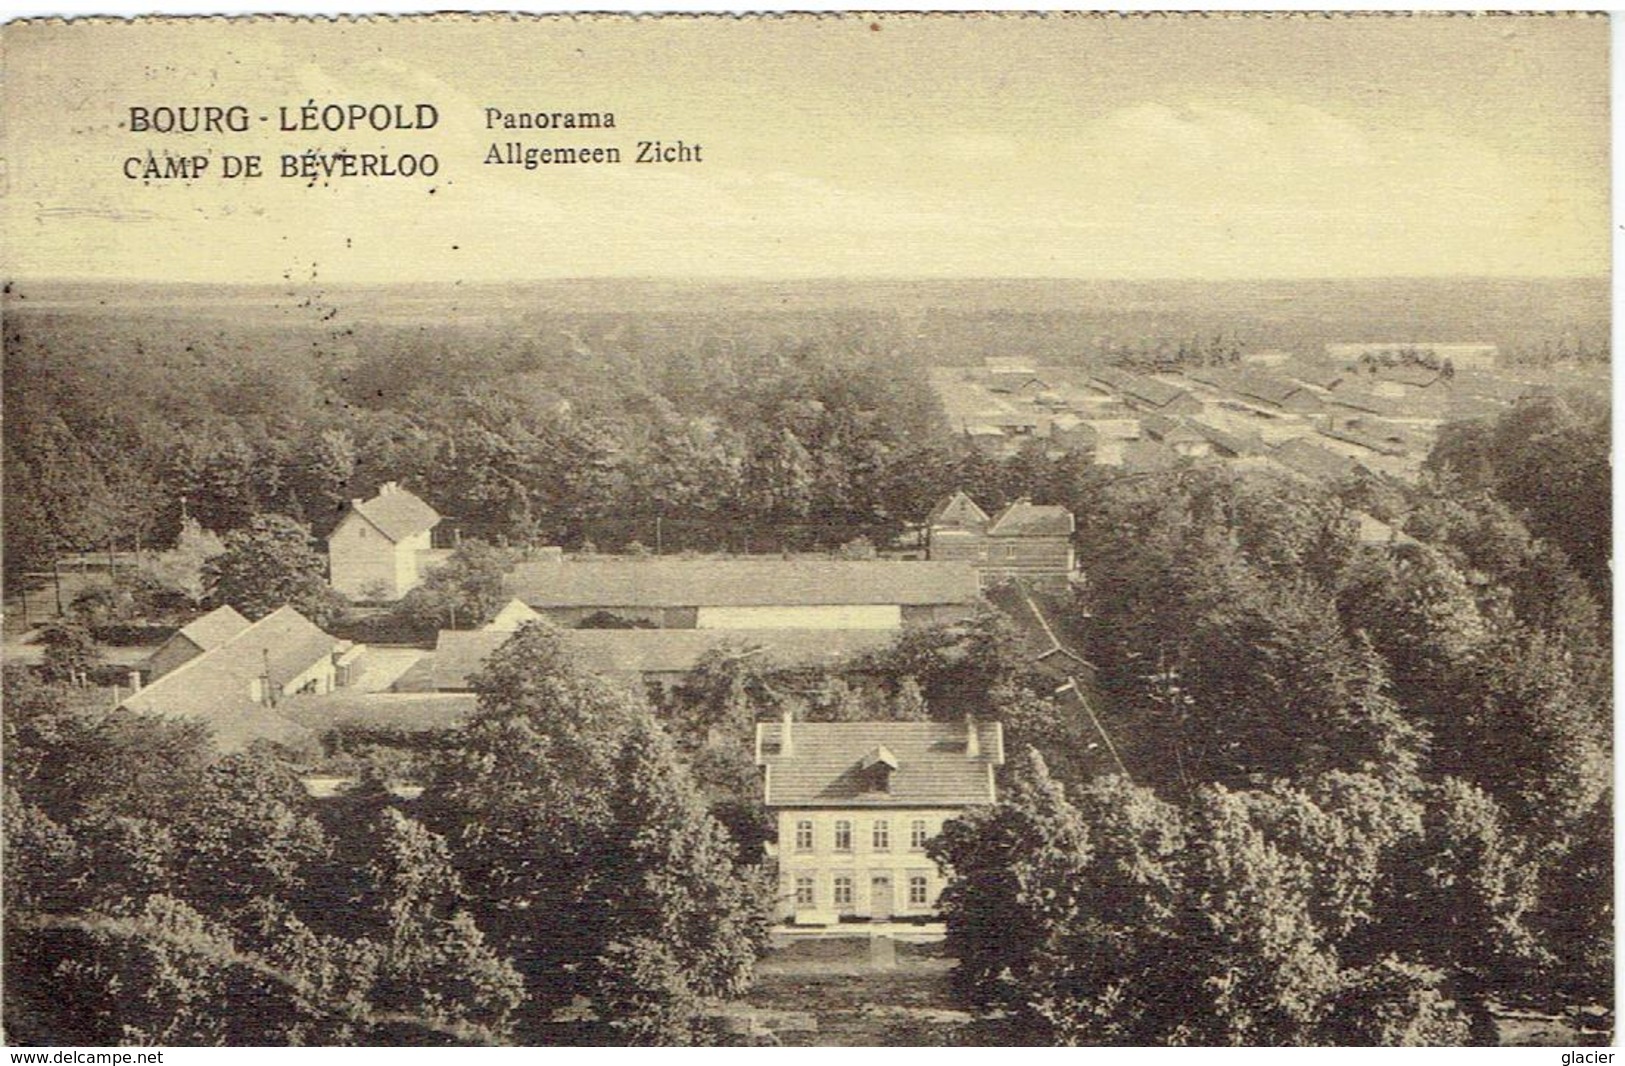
(381, 547)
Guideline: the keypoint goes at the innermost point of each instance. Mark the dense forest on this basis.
(1357, 793)
(761, 417)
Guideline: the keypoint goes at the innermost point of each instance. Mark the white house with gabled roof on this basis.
(858, 802)
(382, 546)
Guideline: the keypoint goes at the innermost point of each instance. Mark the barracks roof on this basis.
(826, 765)
(741, 583)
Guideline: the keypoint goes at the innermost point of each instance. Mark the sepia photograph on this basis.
(823, 530)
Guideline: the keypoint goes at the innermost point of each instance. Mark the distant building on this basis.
(200, 635)
(1179, 435)
(1276, 392)
(857, 802)
(1460, 356)
(382, 546)
(658, 658)
(1145, 393)
(748, 593)
(1023, 540)
(1313, 461)
(237, 686)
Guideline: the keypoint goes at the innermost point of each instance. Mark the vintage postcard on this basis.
(846, 529)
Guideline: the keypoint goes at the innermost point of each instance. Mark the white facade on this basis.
(364, 564)
(818, 616)
(860, 862)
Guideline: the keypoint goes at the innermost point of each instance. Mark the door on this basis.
(880, 897)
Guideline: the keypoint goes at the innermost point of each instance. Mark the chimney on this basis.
(135, 681)
(388, 487)
(786, 746)
(973, 738)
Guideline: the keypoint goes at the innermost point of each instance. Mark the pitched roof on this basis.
(1145, 456)
(397, 512)
(216, 687)
(1027, 519)
(740, 583)
(1170, 429)
(460, 654)
(1145, 389)
(215, 628)
(1409, 374)
(1266, 387)
(1310, 459)
(1360, 398)
(827, 767)
(1234, 443)
(410, 711)
(958, 509)
(514, 614)
(1321, 375)
(1219, 377)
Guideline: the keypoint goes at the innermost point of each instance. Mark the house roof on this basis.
(749, 582)
(398, 513)
(1306, 457)
(1027, 519)
(1373, 530)
(1146, 390)
(460, 654)
(514, 614)
(1267, 388)
(1361, 399)
(410, 711)
(1419, 376)
(1321, 375)
(1219, 377)
(958, 509)
(216, 687)
(1145, 456)
(215, 628)
(1235, 443)
(827, 767)
(1169, 429)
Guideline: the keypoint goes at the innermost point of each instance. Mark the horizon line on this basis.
(10, 284)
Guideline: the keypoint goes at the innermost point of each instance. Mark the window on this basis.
(804, 836)
(1009, 551)
(916, 835)
(843, 892)
(804, 892)
(918, 887)
(843, 836)
(882, 837)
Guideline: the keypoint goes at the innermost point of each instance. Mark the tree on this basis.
(464, 592)
(71, 653)
(268, 565)
(1475, 890)
(576, 830)
(182, 567)
(1017, 874)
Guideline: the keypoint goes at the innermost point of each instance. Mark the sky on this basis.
(1204, 147)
